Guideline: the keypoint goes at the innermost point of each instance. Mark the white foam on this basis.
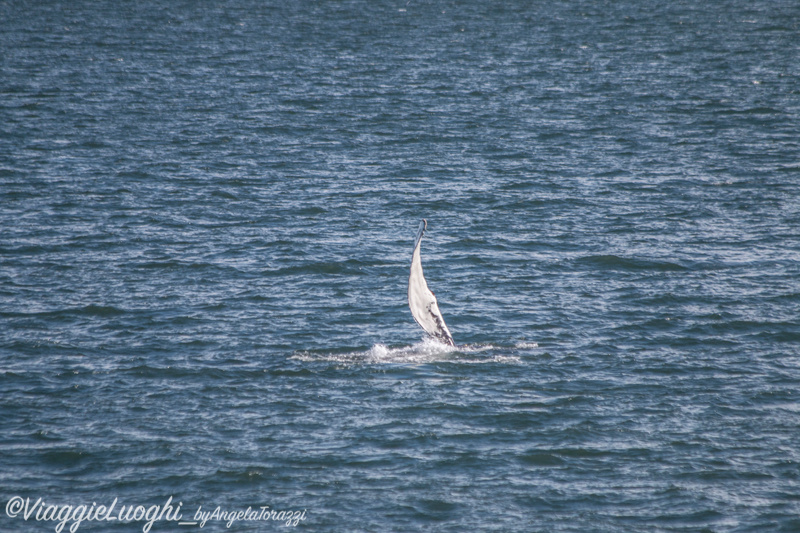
(525, 345)
(428, 350)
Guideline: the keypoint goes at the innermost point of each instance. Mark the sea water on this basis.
(207, 213)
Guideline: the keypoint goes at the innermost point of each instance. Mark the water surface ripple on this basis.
(207, 214)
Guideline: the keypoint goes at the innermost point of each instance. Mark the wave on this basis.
(614, 262)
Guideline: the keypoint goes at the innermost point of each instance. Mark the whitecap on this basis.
(524, 345)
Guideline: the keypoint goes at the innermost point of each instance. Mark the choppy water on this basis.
(207, 217)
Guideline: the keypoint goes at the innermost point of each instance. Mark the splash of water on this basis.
(429, 350)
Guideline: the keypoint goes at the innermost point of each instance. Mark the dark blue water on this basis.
(207, 213)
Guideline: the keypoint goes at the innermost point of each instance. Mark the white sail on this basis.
(421, 300)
